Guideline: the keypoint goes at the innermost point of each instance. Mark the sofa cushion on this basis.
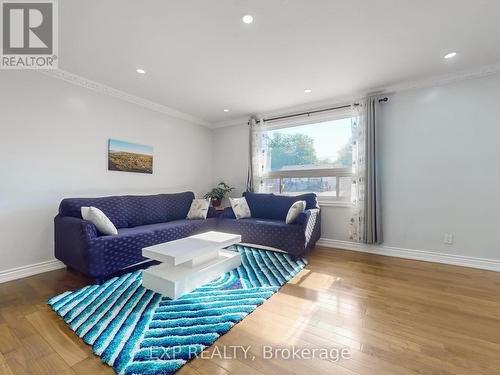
(133, 210)
(112, 207)
(240, 208)
(267, 232)
(125, 249)
(99, 219)
(172, 230)
(294, 211)
(310, 198)
(160, 208)
(271, 206)
(199, 209)
(267, 222)
(150, 228)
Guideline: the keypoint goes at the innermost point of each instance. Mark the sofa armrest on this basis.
(74, 225)
(228, 213)
(212, 212)
(304, 217)
(311, 222)
(72, 240)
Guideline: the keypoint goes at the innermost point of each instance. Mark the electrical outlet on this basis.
(448, 238)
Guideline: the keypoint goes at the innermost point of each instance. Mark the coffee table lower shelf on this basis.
(174, 281)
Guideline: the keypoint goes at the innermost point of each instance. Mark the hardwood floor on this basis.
(395, 316)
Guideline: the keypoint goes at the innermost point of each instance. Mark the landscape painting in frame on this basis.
(129, 157)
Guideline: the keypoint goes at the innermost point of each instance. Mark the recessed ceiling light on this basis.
(450, 55)
(247, 18)
(140, 71)
(308, 91)
(226, 110)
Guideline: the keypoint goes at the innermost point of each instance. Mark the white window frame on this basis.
(328, 172)
(315, 172)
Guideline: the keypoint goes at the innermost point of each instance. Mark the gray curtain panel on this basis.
(250, 174)
(373, 216)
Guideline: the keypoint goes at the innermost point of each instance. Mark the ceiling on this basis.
(200, 58)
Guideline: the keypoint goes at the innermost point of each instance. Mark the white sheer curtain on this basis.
(258, 157)
(357, 220)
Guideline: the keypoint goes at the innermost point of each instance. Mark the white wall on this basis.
(231, 157)
(440, 158)
(53, 144)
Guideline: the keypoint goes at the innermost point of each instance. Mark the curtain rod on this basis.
(385, 99)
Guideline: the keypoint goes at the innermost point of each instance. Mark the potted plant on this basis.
(218, 193)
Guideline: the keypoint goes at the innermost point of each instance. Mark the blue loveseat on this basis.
(267, 225)
(148, 220)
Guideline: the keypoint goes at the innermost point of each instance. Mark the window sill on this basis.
(334, 204)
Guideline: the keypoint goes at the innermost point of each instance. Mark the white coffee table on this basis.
(189, 263)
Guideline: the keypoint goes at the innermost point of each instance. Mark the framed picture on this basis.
(129, 157)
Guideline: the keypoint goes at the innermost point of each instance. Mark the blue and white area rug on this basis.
(137, 331)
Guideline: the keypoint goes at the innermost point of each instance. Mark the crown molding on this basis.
(389, 89)
(232, 122)
(440, 80)
(106, 90)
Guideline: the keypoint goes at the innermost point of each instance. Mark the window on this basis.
(310, 157)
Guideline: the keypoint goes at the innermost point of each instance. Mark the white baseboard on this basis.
(423, 255)
(30, 270)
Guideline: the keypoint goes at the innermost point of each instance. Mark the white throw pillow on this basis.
(294, 211)
(240, 208)
(199, 209)
(99, 219)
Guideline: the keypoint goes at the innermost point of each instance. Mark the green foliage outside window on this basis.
(298, 149)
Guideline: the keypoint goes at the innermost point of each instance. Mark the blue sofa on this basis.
(267, 225)
(149, 220)
(141, 221)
